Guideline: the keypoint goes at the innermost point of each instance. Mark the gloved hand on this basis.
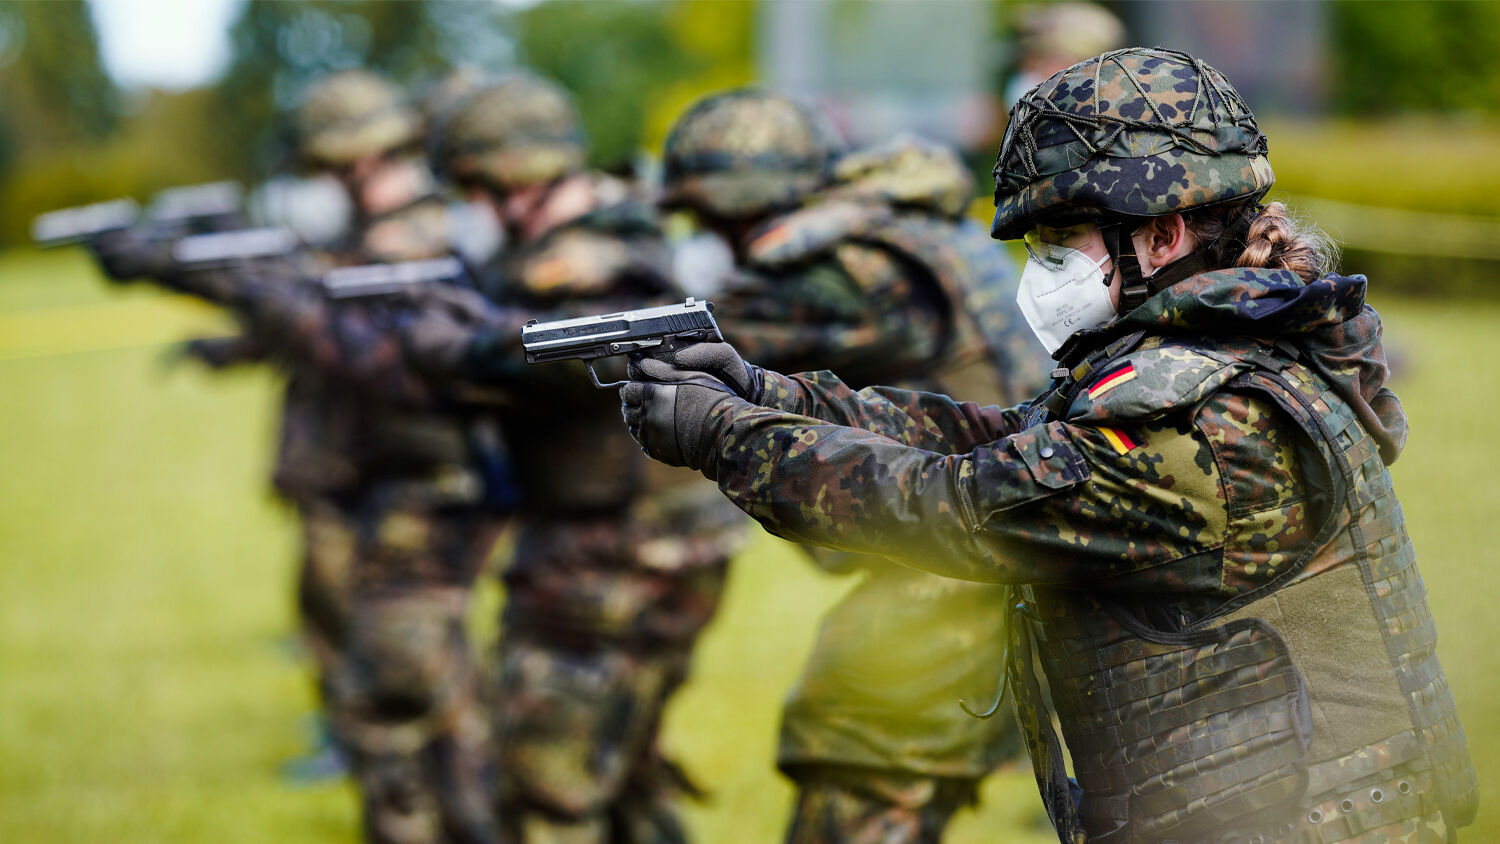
(690, 362)
(126, 256)
(446, 321)
(214, 352)
(670, 420)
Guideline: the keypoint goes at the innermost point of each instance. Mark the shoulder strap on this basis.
(1068, 381)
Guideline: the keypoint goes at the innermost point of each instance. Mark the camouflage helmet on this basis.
(442, 96)
(744, 152)
(521, 130)
(1075, 30)
(347, 115)
(1131, 133)
(907, 170)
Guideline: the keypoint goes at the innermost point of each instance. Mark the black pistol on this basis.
(591, 337)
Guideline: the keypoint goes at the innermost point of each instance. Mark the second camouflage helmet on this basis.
(1131, 133)
(522, 130)
(744, 152)
(347, 115)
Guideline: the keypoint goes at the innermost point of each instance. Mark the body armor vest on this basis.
(1313, 709)
(988, 356)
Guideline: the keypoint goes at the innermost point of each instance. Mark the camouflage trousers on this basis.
(873, 734)
(400, 680)
(860, 806)
(596, 636)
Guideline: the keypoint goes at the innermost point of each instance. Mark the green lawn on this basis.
(145, 583)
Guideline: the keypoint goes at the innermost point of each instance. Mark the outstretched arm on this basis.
(1057, 503)
(922, 420)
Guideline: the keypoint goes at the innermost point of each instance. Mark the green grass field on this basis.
(146, 684)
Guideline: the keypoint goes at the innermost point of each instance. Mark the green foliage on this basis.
(1436, 165)
(278, 48)
(1415, 56)
(159, 146)
(53, 84)
(616, 57)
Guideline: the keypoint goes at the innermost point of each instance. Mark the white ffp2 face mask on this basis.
(1063, 292)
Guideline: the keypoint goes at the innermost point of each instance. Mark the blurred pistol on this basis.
(381, 280)
(173, 213)
(592, 337)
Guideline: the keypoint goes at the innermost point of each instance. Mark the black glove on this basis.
(125, 255)
(690, 362)
(670, 420)
(220, 352)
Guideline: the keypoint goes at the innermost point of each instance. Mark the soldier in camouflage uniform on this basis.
(1209, 560)
(864, 265)
(388, 474)
(617, 566)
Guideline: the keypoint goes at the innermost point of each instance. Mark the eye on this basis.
(1046, 247)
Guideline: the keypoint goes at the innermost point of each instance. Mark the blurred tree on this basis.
(1416, 57)
(278, 48)
(55, 90)
(617, 58)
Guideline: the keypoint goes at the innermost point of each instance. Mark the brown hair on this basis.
(1275, 239)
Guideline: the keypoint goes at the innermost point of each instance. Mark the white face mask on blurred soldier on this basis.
(1064, 287)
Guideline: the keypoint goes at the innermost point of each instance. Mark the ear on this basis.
(1161, 241)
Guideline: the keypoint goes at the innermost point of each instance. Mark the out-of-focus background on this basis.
(148, 682)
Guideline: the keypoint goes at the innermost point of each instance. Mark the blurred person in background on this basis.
(398, 486)
(1054, 36)
(617, 566)
(863, 263)
(474, 231)
(1208, 558)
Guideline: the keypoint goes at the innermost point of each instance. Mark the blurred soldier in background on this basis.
(865, 265)
(617, 567)
(397, 486)
(473, 229)
(1054, 36)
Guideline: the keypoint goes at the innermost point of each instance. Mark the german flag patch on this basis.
(1121, 441)
(1112, 380)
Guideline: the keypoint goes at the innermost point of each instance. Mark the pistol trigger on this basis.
(594, 376)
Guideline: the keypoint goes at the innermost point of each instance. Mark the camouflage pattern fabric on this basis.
(323, 588)
(389, 477)
(351, 114)
(744, 153)
(877, 279)
(408, 697)
(1168, 513)
(1136, 133)
(519, 130)
(854, 806)
(617, 565)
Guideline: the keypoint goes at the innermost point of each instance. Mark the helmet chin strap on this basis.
(1135, 288)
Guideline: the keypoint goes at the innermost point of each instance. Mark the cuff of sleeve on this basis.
(720, 418)
(777, 391)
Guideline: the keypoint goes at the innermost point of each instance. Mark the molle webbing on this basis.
(1203, 733)
(1378, 541)
(974, 315)
(1172, 739)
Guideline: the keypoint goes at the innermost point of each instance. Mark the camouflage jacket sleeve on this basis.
(922, 420)
(855, 311)
(1138, 488)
